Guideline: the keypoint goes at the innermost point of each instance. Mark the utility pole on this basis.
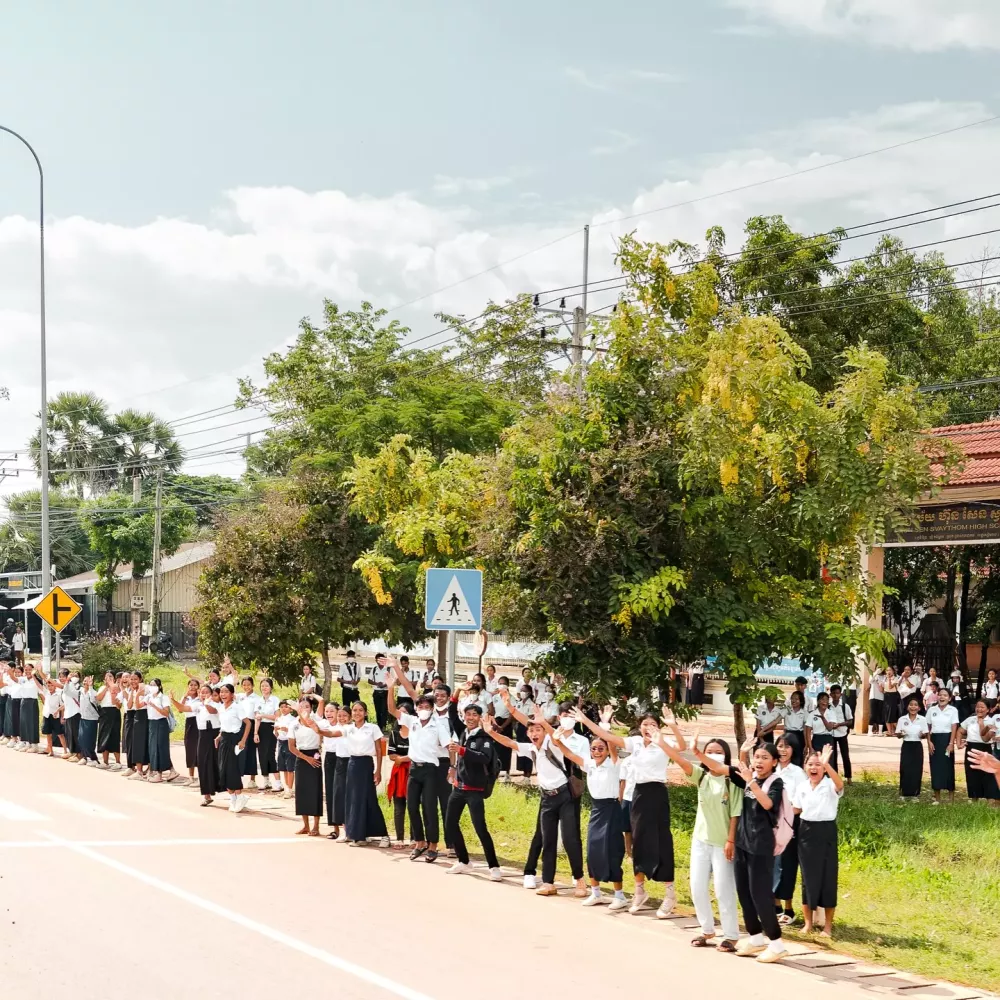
(136, 487)
(154, 614)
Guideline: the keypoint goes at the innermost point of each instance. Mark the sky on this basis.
(214, 170)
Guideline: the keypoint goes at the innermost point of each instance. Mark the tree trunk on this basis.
(738, 725)
(327, 672)
(963, 615)
(982, 666)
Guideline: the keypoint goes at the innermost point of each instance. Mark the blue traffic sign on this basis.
(454, 600)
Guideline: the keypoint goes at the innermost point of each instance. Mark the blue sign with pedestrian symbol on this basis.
(454, 600)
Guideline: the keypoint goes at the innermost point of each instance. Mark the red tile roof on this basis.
(980, 444)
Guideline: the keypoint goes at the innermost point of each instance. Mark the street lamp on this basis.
(44, 436)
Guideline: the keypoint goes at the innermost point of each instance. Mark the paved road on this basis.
(165, 896)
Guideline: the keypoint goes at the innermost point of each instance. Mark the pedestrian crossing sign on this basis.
(454, 600)
(57, 608)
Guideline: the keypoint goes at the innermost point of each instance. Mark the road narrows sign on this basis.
(57, 609)
(454, 600)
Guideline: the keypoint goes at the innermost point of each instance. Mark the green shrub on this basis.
(101, 656)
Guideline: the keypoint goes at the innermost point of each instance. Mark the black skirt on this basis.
(980, 784)
(605, 841)
(819, 863)
(876, 712)
(139, 738)
(696, 693)
(891, 702)
(308, 786)
(207, 757)
(652, 841)
(127, 723)
(190, 741)
(363, 817)
(248, 758)
(266, 749)
(29, 720)
(8, 716)
(4, 708)
(109, 730)
(340, 791)
(158, 737)
(229, 763)
(942, 764)
(329, 783)
(911, 768)
(15, 718)
(786, 865)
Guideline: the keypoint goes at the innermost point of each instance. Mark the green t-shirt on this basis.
(718, 803)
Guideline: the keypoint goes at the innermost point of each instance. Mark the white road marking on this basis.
(273, 934)
(83, 806)
(19, 814)
(179, 842)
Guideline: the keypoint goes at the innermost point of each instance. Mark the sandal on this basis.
(726, 945)
(417, 852)
(430, 857)
(701, 941)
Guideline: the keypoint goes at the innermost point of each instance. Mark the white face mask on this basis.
(424, 714)
(501, 687)
(567, 723)
(717, 757)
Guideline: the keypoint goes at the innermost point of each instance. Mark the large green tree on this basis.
(20, 534)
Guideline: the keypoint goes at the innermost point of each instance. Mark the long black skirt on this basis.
(15, 718)
(652, 841)
(190, 742)
(362, 817)
(911, 768)
(329, 784)
(786, 865)
(127, 723)
(4, 708)
(29, 720)
(139, 738)
(308, 786)
(229, 763)
(109, 730)
(248, 758)
(266, 750)
(8, 716)
(980, 784)
(340, 791)
(206, 761)
(158, 737)
(942, 764)
(891, 703)
(819, 863)
(605, 841)
(696, 692)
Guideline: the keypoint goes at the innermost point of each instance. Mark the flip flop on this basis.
(416, 852)
(701, 941)
(430, 857)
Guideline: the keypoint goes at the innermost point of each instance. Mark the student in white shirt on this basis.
(912, 728)
(229, 675)
(490, 681)
(234, 731)
(138, 741)
(802, 686)
(284, 726)
(188, 707)
(52, 712)
(29, 690)
(786, 864)
(304, 744)
(816, 801)
(976, 733)
(308, 684)
(69, 686)
(412, 674)
(503, 721)
(6, 700)
(19, 643)
(991, 690)
(366, 743)
(817, 728)
(349, 676)
(194, 709)
(876, 702)
(109, 723)
(249, 703)
(380, 676)
(90, 714)
(768, 716)
(942, 719)
(652, 840)
(263, 736)
(908, 688)
(336, 783)
(840, 718)
(626, 789)
(161, 767)
(525, 704)
(794, 722)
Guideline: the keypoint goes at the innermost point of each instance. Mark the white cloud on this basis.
(617, 142)
(451, 186)
(615, 81)
(654, 76)
(580, 77)
(920, 25)
(165, 315)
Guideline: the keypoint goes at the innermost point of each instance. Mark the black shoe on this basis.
(430, 857)
(416, 852)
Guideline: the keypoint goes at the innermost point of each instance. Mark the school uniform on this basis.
(991, 693)
(191, 732)
(349, 675)
(231, 726)
(911, 755)
(555, 811)
(765, 717)
(331, 744)
(754, 861)
(504, 724)
(158, 733)
(413, 675)
(128, 718)
(307, 685)
(109, 724)
(28, 694)
(626, 783)
(959, 697)
(90, 714)
(308, 779)
(605, 832)
(139, 736)
(696, 685)
(795, 724)
(891, 695)
(475, 753)
(249, 705)
(51, 722)
(842, 718)
(876, 701)
(652, 840)
(284, 726)
(447, 716)
(428, 740)
(786, 864)
(380, 678)
(941, 721)
(10, 727)
(526, 708)
(818, 841)
(718, 803)
(363, 817)
(819, 732)
(399, 776)
(266, 747)
(908, 690)
(71, 715)
(206, 725)
(980, 784)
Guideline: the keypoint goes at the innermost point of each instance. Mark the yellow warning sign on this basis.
(57, 608)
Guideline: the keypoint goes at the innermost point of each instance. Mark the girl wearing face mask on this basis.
(398, 748)
(161, 767)
(713, 844)
(786, 864)
(652, 841)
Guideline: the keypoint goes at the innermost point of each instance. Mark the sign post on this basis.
(57, 609)
(454, 603)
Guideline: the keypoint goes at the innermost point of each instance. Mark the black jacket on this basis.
(474, 759)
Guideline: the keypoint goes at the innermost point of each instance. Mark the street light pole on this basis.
(43, 460)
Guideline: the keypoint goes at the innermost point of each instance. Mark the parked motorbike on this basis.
(162, 646)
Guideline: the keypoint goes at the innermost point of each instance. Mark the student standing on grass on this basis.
(380, 691)
(942, 739)
(349, 675)
(713, 844)
(652, 840)
(307, 685)
(786, 864)
(976, 733)
(816, 801)
(911, 729)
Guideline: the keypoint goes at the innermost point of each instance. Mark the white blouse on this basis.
(361, 740)
(649, 763)
(603, 780)
(285, 726)
(230, 719)
(991, 689)
(306, 738)
(791, 776)
(795, 721)
(156, 699)
(819, 803)
(268, 706)
(942, 719)
(975, 733)
(913, 730)
(817, 724)
(308, 684)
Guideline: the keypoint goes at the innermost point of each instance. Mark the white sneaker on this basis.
(496, 875)
(90, 763)
(232, 806)
(668, 904)
(640, 900)
(458, 868)
(530, 882)
(342, 839)
(774, 952)
(102, 765)
(618, 903)
(384, 842)
(83, 762)
(241, 802)
(593, 900)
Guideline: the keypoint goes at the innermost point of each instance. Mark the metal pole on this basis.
(154, 614)
(586, 261)
(450, 679)
(43, 457)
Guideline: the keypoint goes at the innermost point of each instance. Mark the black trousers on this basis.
(349, 695)
(380, 698)
(840, 743)
(422, 802)
(535, 848)
(754, 888)
(444, 794)
(329, 770)
(476, 802)
(399, 818)
(558, 813)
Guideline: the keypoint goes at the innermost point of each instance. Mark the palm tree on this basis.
(80, 442)
(143, 443)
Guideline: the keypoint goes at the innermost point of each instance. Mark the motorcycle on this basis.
(162, 646)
